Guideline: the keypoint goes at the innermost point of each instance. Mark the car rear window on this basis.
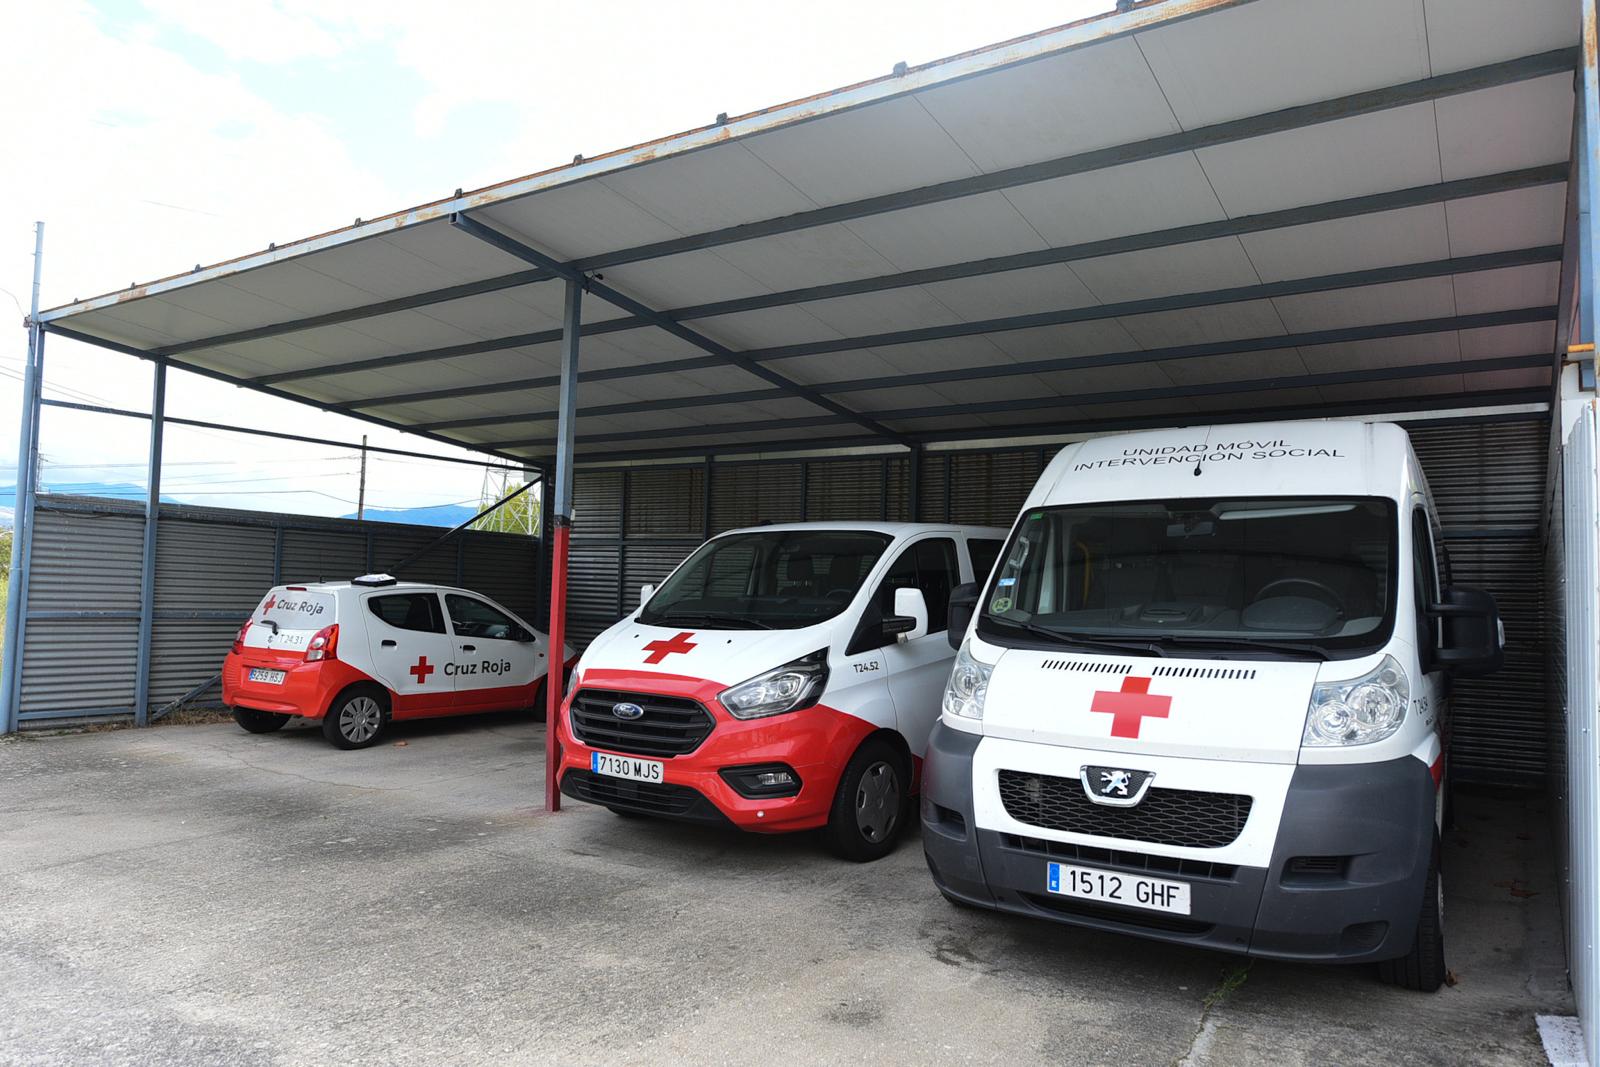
(297, 609)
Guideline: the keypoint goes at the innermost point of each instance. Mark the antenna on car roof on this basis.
(1203, 446)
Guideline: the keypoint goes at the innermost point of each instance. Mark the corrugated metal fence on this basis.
(633, 525)
(212, 567)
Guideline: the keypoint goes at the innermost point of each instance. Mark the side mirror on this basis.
(1474, 637)
(963, 602)
(645, 593)
(524, 636)
(909, 606)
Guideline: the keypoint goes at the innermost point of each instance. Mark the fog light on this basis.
(762, 780)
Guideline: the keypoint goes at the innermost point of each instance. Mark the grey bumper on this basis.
(1370, 826)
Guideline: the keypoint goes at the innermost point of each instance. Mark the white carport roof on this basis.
(1182, 211)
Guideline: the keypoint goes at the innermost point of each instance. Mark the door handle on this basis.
(469, 648)
(386, 643)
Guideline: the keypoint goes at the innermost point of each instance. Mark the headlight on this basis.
(1359, 711)
(967, 687)
(790, 687)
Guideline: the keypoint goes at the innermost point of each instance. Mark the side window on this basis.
(1425, 579)
(409, 611)
(474, 618)
(927, 565)
(984, 551)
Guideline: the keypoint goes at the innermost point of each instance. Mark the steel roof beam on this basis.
(510, 245)
(1354, 408)
(366, 311)
(993, 371)
(1412, 372)
(1089, 313)
(1439, 192)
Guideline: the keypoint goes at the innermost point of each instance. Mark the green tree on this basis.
(520, 515)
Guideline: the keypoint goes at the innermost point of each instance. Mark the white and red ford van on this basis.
(1204, 698)
(359, 654)
(781, 678)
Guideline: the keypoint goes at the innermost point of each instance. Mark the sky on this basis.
(153, 136)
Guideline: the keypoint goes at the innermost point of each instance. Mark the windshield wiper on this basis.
(1194, 640)
(1072, 640)
(702, 619)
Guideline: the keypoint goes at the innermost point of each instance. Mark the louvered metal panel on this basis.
(391, 547)
(1488, 482)
(184, 652)
(849, 489)
(750, 493)
(597, 504)
(317, 555)
(507, 568)
(593, 588)
(83, 560)
(986, 488)
(666, 501)
(212, 566)
(77, 665)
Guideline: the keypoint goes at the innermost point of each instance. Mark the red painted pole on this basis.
(555, 684)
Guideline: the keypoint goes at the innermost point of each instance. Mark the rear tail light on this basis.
(238, 638)
(324, 644)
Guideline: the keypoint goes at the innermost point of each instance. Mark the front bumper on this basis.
(815, 743)
(1377, 817)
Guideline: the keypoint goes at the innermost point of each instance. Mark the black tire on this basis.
(350, 723)
(259, 722)
(1423, 969)
(870, 806)
(538, 710)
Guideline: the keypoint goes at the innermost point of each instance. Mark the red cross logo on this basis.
(422, 668)
(1129, 707)
(271, 600)
(660, 650)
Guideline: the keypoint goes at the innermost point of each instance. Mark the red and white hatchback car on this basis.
(359, 654)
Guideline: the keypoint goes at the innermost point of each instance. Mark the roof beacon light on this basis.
(374, 579)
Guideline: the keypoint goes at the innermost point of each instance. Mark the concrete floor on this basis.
(196, 894)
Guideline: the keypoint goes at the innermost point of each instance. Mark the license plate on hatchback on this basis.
(638, 770)
(1130, 890)
(267, 675)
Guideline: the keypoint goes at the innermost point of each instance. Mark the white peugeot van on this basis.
(1203, 698)
(782, 678)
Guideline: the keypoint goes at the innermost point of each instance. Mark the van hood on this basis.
(1253, 711)
(726, 657)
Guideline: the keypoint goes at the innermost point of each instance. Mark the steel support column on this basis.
(147, 562)
(1583, 842)
(27, 482)
(560, 525)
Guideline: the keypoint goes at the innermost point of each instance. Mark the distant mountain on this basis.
(434, 515)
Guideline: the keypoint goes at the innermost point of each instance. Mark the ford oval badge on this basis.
(627, 711)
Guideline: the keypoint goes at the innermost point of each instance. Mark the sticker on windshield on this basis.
(1006, 581)
(1000, 605)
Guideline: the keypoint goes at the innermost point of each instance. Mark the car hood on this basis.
(1252, 711)
(725, 657)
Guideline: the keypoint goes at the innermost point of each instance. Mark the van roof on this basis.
(893, 529)
(1312, 458)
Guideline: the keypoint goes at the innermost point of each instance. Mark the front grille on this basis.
(1128, 861)
(1184, 817)
(670, 726)
(656, 798)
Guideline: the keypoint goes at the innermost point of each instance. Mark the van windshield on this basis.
(780, 580)
(1283, 575)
